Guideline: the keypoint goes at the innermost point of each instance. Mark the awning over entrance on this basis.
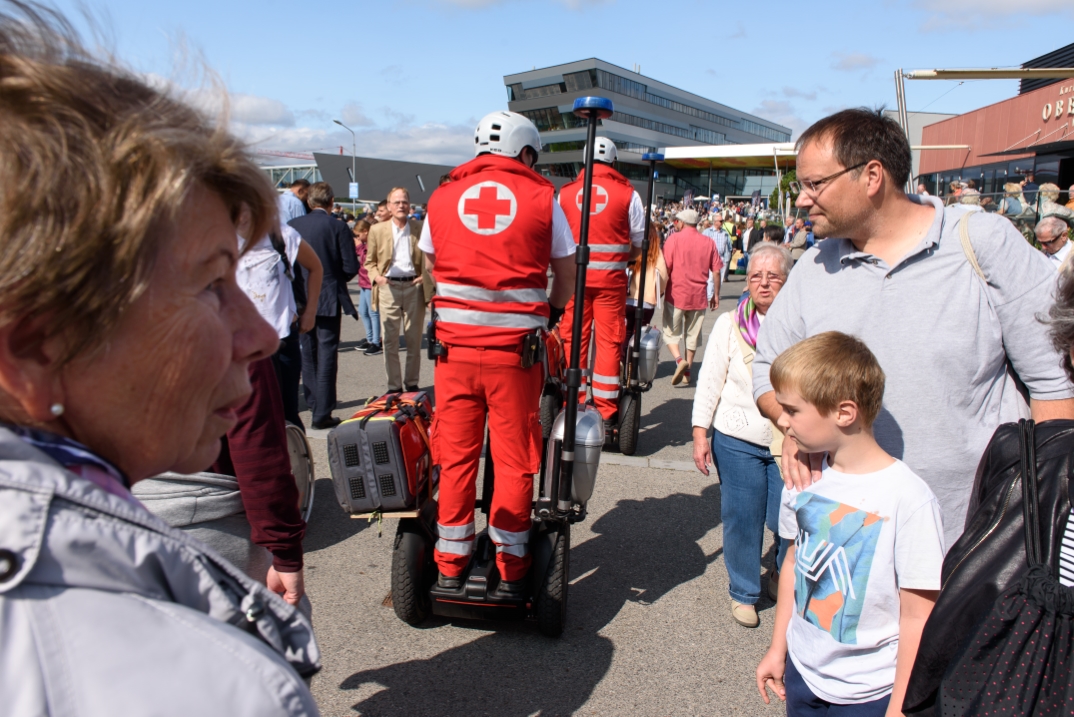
(732, 156)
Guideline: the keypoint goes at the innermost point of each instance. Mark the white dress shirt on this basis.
(637, 221)
(402, 263)
(1060, 256)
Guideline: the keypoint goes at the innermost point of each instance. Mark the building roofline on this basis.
(648, 79)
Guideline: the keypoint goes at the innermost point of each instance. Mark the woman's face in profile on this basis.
(165, 385)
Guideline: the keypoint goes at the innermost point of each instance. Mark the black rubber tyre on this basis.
(552, 596)
(629, 423)
(411, 566)
(549, 410)
(298, 448)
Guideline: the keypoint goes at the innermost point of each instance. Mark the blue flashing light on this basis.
(601, 107)
(652, 157)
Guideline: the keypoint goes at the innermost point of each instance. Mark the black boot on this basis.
(449, 583)
(512, 589)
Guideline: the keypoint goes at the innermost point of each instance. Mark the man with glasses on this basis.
(1052, 234)
(894, 273)
(396, 268)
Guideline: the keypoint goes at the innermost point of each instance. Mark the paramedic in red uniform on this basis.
(491, 235)
(616, 230)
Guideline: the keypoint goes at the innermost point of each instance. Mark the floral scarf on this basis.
(747, 320)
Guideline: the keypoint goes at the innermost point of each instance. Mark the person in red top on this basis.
(492, 233)
(689, 256)
(616, 230)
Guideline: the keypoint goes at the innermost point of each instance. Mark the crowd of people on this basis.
(153, 343)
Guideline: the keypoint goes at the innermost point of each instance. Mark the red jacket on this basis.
(609, 223)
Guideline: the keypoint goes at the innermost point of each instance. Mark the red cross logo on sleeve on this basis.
(487, 208)
(597, 202)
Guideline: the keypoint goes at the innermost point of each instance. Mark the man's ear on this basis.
(30, 378)
(846, 414)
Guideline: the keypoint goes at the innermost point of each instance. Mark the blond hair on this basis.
(404, 190)
(830, 368)
(1049, 191)
(95, 165)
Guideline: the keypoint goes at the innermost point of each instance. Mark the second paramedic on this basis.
(616, 231)
(492, 233)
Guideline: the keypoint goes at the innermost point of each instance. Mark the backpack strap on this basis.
(967, 246)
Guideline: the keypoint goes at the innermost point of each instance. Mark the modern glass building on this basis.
(649, 115)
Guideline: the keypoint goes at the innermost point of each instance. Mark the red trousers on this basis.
(604, 306)
(472, 384)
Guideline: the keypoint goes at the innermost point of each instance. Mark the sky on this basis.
(412, 77)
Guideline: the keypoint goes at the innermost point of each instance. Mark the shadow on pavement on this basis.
(644, 549)
(666, 424)
(328, 523)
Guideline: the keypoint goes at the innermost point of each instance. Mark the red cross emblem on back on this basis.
(487, 208)
(597, 202)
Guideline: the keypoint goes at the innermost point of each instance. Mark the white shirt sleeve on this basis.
(425, 241)
(637, 221)
(291, 241)
(788, 517)
(562, 239)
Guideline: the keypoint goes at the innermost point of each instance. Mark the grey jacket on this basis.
(105, 610)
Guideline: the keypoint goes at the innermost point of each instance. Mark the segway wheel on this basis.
(552, 597)
(549, 410)
(629, 423)
(412, 565)
(298, 448)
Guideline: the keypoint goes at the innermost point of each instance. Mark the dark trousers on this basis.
(288, 364)
(319, 364)
(801, 702)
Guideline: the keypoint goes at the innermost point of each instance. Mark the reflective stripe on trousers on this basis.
(455, 539)
(510, 543)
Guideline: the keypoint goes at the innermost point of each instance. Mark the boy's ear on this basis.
(846, 413)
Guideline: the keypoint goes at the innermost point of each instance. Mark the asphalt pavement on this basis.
(649, 629)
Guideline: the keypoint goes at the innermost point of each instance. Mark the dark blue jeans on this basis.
(801, 702)
(750, 487)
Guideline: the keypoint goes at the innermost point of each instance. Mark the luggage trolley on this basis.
(567, 477)
(639, 370)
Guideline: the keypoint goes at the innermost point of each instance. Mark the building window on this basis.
(551, 119)
(563, 147)
(698, 134)
(637, 90)
(767, 132)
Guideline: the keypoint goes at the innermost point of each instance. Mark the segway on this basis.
(567, 476)
(639, 370)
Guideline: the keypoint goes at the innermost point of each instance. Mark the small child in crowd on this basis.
(864, 571)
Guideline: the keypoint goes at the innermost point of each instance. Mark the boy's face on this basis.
(814, 431)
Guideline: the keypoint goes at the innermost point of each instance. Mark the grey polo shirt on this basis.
(941, 336)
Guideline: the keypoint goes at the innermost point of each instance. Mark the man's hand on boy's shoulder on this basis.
(800, 470)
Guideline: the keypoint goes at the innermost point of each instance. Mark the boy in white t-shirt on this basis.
(868, 543)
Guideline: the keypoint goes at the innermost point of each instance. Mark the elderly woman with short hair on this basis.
(125, 342)
(744, 443)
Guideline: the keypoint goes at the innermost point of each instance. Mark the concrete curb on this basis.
(605, 458)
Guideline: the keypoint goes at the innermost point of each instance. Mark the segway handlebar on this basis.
(635, 359)
(591, 109)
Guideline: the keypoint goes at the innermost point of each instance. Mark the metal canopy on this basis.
(732, 156)
(994, 73)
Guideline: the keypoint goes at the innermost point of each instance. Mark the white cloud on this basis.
(353, 115)
(956, 15)
(801, 94)
(431, 142)
(251, 109)
(781, 112)
(853, 61)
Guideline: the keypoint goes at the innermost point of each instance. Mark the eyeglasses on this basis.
(1051, 241)
(766, 276)
(813, 188)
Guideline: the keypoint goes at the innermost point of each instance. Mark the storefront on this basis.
(1033, 132)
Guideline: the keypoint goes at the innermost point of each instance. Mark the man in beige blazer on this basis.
(401, 288)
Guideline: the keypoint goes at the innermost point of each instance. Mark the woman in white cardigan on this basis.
(741, 447)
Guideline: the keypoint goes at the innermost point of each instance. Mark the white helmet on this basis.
(604, 150)
(505, 133)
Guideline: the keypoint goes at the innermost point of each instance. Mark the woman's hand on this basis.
(770, 675)
(800, 470)
(290, 586)
(702, 450)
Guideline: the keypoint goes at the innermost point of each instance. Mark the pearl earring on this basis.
(56, 409)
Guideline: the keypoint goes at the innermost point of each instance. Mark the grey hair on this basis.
(767, 248)
(1056, 227)
(1061, 317)
(1049, 191)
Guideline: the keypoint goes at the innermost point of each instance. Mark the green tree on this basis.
(784, 187)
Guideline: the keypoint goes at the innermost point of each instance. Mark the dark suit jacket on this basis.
(334, 244)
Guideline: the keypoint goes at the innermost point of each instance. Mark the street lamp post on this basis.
(354, 168)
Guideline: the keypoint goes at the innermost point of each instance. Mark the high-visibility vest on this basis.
(609, 223)
(491, 229)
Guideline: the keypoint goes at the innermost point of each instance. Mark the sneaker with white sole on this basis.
(680, 368)
(744, 615)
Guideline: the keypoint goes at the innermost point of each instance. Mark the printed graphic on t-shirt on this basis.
(833, 556)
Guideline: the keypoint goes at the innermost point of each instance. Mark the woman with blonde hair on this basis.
(1050, 206)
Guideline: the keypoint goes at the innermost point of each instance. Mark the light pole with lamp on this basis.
(354, 169)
